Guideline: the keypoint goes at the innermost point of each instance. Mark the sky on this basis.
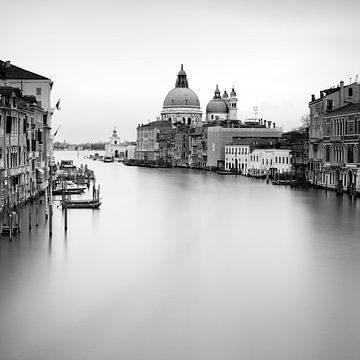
(113, 62)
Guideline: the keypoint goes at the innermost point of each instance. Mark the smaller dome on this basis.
(217, 106)
(233, 93)
(225, 95)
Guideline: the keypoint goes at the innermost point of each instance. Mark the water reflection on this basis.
(180, 264)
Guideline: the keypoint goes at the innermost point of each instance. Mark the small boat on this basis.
(108, 159)
(70, 188)
(281, 182)
(82, 204)
(67, 164)
(225, 172)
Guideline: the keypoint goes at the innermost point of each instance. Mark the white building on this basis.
(265, 161)
(243, 156)
(236, 157)
(181, 104)
(115, 148)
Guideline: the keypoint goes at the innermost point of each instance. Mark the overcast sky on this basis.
(113, 62)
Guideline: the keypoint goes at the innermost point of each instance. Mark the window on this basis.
(8, 124)
(350, 153)
(350, 91)
(329, 105)
(38, 91)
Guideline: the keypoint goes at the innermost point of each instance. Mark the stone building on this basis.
(31, 84)
(147, 145)
(332, 136)
(341, 148)
(264, 162)
(114, 148)
(218, 137)
(23, 149)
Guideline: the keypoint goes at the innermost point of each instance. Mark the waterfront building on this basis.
(237, 152)
(341, 148)
(264, 162)
(298, 142)
(332, 135)
(31, 84)
(114, 148)
(218, 137)
(197, 147)
(181, 104)
(131, 151)
(147, 145)
(22, 149)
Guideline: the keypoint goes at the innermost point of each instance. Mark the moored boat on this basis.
(82, 204)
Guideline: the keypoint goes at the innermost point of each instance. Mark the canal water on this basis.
(181, 264)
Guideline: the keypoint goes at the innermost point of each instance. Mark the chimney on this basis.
(274, 125)
(341, 94)
(269, 124)
(7, 64)
(312, 97)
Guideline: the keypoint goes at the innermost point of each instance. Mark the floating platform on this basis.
(82, 204)
(74, 191)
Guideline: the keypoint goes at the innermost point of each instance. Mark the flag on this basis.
(56, 131)
(58, 105)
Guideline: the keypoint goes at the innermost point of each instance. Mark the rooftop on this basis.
(12, 72)
(347, 109)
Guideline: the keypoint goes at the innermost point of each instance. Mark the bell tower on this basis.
(233, 105)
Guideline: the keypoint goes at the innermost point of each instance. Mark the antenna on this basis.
(256, 111)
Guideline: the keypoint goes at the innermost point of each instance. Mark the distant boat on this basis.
(82, 204)
(108, 159)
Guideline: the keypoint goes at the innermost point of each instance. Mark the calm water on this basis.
(186, 265)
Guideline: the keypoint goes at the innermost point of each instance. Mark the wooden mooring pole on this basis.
(66, 215)
(37, 215)
(29, 217)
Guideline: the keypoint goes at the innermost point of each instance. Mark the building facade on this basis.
(333, 137)
(147, 141)
(22, 148)
(218, 137)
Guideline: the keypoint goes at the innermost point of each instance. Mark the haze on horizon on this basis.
(113, 62)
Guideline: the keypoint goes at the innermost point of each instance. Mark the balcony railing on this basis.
(337, 138)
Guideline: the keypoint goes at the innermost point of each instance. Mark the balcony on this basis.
(337, 138)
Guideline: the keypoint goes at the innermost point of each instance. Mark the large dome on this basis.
(181, 97)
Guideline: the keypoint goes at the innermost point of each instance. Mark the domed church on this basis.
(222, 108)
(181, 104)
